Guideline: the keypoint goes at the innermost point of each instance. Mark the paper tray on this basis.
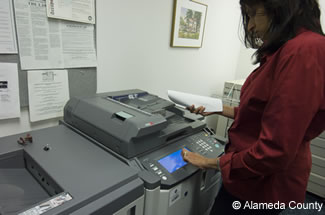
(19, 190)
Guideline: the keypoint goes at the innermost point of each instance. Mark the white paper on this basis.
(9, 91)
(48, 92)
(186, 99)
(49, 43)
(78, 45)
(74, 10)
(38, 40)
(7, 28)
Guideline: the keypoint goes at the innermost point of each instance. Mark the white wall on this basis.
(244, 64)
(133, 49)
(322, 5)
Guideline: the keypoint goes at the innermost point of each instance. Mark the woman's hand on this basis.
(228, 111)
(199, 110)
(199, 161)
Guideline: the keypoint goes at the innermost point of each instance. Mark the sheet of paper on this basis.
(7, 29)
(78, 45)
(74, 10)
(48, 92)
(186, 99)
(50, 43)
(9, 91)
(39, 40)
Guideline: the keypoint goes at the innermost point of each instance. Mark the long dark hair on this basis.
(287, 17)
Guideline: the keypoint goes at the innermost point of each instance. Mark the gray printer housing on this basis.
(61, 161)
(130, 122)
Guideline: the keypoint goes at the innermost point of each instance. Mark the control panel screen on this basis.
(173, 161)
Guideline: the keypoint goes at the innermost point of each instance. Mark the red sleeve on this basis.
(297, 92)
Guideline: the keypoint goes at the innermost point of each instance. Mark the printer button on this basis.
(164, 178)
(159, 172)
(154, 168)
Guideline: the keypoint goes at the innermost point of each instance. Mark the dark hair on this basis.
(287, 17)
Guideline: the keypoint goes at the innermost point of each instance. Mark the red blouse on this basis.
(282, 108)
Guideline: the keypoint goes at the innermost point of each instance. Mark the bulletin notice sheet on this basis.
(51, 43)
(7, 29)
(48, 92)
(9, 91)
(74, 10)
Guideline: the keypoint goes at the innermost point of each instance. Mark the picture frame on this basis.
(188, 24)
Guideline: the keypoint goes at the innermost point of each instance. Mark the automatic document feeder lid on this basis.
(130, 122)
(109, 115)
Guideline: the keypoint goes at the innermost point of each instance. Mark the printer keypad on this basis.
(203, 147)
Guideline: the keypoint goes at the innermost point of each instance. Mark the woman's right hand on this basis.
(199, 110)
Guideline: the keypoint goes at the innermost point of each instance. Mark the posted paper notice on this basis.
(7, 29)
(51, 43)
(48, 92)
(9, 91)
(74, 10)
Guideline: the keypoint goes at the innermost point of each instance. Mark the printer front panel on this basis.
(167, 162)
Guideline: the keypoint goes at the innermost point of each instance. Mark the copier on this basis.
(147, 133)
(57, 171)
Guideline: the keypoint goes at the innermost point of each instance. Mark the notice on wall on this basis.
(48, 92)
(78, 45)
(7, 28)
(9, 91)
(74, 10)
(49, 43)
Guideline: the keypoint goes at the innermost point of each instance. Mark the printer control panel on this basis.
(205, 145)
(168, 164)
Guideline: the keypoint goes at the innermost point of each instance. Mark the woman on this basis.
(282, 108)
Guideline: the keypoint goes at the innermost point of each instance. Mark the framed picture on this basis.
(188, 24)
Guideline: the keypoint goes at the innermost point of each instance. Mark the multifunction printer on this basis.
(148, 133)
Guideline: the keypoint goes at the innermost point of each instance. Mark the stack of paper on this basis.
(186, 99)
